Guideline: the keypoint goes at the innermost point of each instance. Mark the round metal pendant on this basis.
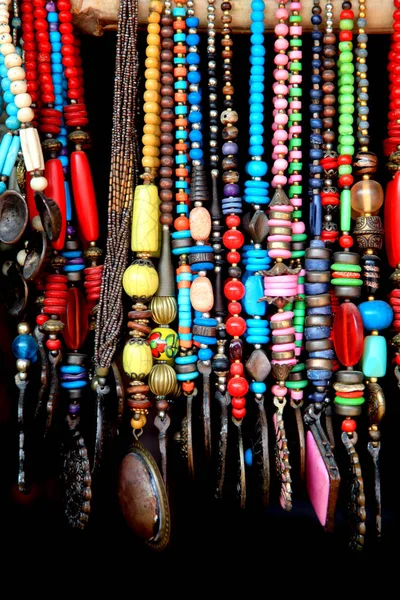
(76, 479)
(142, 497)
(13, 216)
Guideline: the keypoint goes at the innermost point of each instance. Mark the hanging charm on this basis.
(356, 505)
(376, 406)
(282, 463)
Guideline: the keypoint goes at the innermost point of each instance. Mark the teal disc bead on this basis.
(376, 315)
(374, 356)
(256, 168)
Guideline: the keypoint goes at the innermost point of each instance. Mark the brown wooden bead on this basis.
(167, 207)
(365, 163)
(329, 111)
(166, 138)
(167, 102)
(139, 327)
(329, 51)
(227, 54)
(167, 32)
(228, 90)
(166, 55)
(167, 90)
(166, 219)
(230, 162)
(328, 100)
(230, 177)
(329, 63)
(328, 87)
(168, 44)
(230, 133)
(167, 114)
(167, 150)
(140, 314)
(329, 38)
(167, 161)
(166, 195)
(328, 137)
(327, 123)
(226, 6)
(328, 75)
(162, 405)
(226, 42)
(167, 126)
(165, 172)
(166, 183)
(167, 79)
(226, 19)
(166, 20)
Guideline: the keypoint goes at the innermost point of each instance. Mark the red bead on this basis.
(238, 403)
(233, 257)
(71, 72)
(56, 191)
(238, 386)
(392, 220)
(48, 98)
(349, 425)
(233, 239)
(234, 308)
(344, 159)
(68, 39)
(30, 197)
(41, 319)
(69, 61)
(84, 196)
(239, 414)
(68, 50)
(345, 180)
(76, 319)
(53, 344)
(44, 68)
(348, 334)
(65, 17)
(345, 36)
(346, 241)
(347, 14)
(232, 221)
(66, 28)
(40, 25)
(234, 290)
(236, 326)
(397, 359)
(236, 369)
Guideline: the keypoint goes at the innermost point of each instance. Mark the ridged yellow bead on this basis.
(151, 129)
(150, 140)
(164, 309)
(153, 28)
(150, 161)
(153, 39)
(137, 359)
(153, 51)
(152, 107)
(150, 151)
(140, 280)
(152, 62)
(162, 380)
(152, 118)
(153, 84)
(152, 74)
(151, 96)
(145, 220)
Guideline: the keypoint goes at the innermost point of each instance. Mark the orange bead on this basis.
(181, 122)
(181, 146)
(181, 197)
(179, 24)
(184, 329)
(180, 97)
(180, 72)
(183, 284)
(181, 172)
(185, 344)
(184, 269)
(182, 223)
(180, 50)
(188, 386)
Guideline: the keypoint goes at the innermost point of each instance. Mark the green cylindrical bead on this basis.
(346, 267)
(296, 385)
(349, 401)
(346, 281)
(345, 208)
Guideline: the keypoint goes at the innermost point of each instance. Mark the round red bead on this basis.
(41, 319)
(53, 344)
(238, 403)
(239, 413)
(349, 425)
(233, 257)
(236, 326)
(238, 386)
(344, 159)
(397, 359)
(346, 180)
(234, 308)
(232, 221)
(234, 290)
(345, 36)
(346, 241)
(236, 369)
(347, 14)
(233, 239)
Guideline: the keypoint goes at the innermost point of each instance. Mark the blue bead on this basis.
(56, 47)
(248, 457)
(194, 98)
(316, 333)
(205, 354)
(257, 88)
(179, 12)
(376, 314)
(193, 58)
(258, 387)
(187, 376)
(316, 169)
(257, 339)
(73, 385)
(312, 289)
(256, 118)
(256, 168)
(3, 71)
(194, 77)
(25, 346)
(319, 375)
(185, 360)
(257, 38)
(256, 140)
(257, 16)
(256, 60)
(316, 19)
(257, 5)
(52, 17)
(257, 50)
(322, 354)
(192, 22)
(5, 83)
(257, 184)
(253, 291)
(12, 123)
(195, 117)
(316, 154)
(3, 187)
(316, 79)
(256, 98)
(320, 310)
(257, 70)
(257, 323)
(73, 268)
(256, 150)
(374, 358)
(8, 97)
(55, 36)
(16, 22)
(257, 27)
(196, 154)
(56, 58)
(256, 129)
(72, 369)
(192, 39)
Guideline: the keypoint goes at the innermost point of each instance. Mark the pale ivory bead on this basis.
(12, 60)
(38, 184)
(25, 115)
(21, 257)
(6, 38)
(16, 74)
(23, 100)
(4, 28)
(5, 267)
(37, 223)
(31, 149)
(18, 87)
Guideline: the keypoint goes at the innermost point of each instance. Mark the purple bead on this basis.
(72, 376)
(70, 230)
(231, 189)
(53, 26)
(76, 261)
(50, 7)
(230, 148)
(74, 408)
(64, 151)
(65, 171)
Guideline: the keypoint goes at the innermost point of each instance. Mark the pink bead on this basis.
(291, 361)
(279, 180)
(296, 394)
(281, 164)
(298, 227)
(295, 54)
(281, 135)
(296, 201)
(295, 129)
(302, 273)
(280, 238)
(279, 254)
(281, 29)
(281, 44)
(286, 331)
(279, 223)
(295, 104)
(298, 336)
(281, 59)
(296, 79)
(285, 278)
(280, 74)
(295, 6)
(280, 103)
(281, 13)
(279, 391)
(283, 347)
(282, 316)
(300, 289)
(295, 154)
(297, 351)
(280, 89)
(296, 178)
(296, 30)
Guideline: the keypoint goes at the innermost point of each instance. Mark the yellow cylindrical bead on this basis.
(145, 220)
(153, 51)
(154, 17)
(137, 359)
(150, 161)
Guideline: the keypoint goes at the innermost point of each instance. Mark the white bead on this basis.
(5, 267)
(25, 115)
(31, 149)
(23, 100)
(6, 47)
(37, 223)
(21, 257)
(38, 184)
(13, 60)
(4, 28)
(18, 87)
(16, 74)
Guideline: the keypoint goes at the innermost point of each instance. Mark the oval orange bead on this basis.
(76, 319)
(348, 334)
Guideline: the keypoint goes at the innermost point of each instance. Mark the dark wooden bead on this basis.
(167, 150)
(167, 79)
(329, 137)
(227, 54)
(327, 123)
(167, 161)
(165, 172)
(328, 87)
(166, 219)
(167, 90)
(230, 163)
(166, 183)
(329, 51)
(166, 30)
(236, 349)
(329, 38)
(167, 207)
(235, 272)
(166, 20)
(166, 56)
(328, 100)
(166, 195)
(168, 44)
(328, 75)
(226, 6)
(167, 138)
(329, 63)
(167, 126)
(167, 114)
(226, 19)
(329, 111)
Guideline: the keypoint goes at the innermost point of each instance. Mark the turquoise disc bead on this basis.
(376, 314)
(256, 168)
(253, 291)
(374, 356)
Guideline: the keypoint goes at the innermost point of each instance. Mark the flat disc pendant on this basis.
(142, 497)
(76, 479)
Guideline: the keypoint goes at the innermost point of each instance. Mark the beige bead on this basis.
(21, 257)
(6, 47)
(4, 28)
(25, 115)
(38, 184)
(37, 223)
(202, 295)
(23, 100)
(16, 74)
(18, 87)
(13, 60)
(200, 223)
(31, 149)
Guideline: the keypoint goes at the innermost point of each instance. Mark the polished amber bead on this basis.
(348, 334)
(366, 196)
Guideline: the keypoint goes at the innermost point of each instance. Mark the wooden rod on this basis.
(96, 16)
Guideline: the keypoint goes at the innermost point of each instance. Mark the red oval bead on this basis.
(234, 290)
(349, 425)
(56, 191)
(233, 239)
(344, 159)
(233, 257)
(238, 403)
(345, 180)
(346, 241)
(53, 344)
(232, 221)
(239, 413)
(234, 308)
(84, 196)
(348, 334)
(41, 319)
(236, 369)
(238, 386)
(392, 220)
(30, 197)
(75, 319)
(397, 359)
(345, 36)
(347, 14)
(236, 326)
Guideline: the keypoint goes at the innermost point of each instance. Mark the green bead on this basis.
(295, 189)
(296, 42)
(300, 328)
(345, 169)
(295, 143)
(347, 150)
(346, 24)
(299, 313)
(295, 19)
(298, 367)
(349, 401)
(346, 99)
(344, 130)
(347, 140)
(343, 46)
(346, 79)
(347, 282)
(297, 214)
(298, 320)
(301, 295)
(295, 117)
(347, 89)
(345, 210)
(345, 267)
(374, 356)
(300, 304)
(295, 66)
(298, 343)
(346, 119)
(296, 385)
(298, 253)
(346, 57)
(295, 166)
(295, 91)
(346, 109)
(346, 68)
(288, 307)
(299, 237)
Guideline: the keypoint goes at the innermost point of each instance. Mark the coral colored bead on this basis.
(347, 14)
(345, 159)
(234, 308)
(346, 180)
(53, 344)
(233, 239)
(234, 290)
(345, 36)
(238, 386)
(84, 196)
(182, 224)
(238, 403)
(239, 414)
(346, 241)
(233, 257)
(236, 326)
(237, 369)
(349, 425)
(397, 359)
(392, 220)
(188, 386)
(232, 221)
(41, 319)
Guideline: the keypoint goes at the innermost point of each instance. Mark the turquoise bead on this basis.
(253, 291)
(257, 39)
(258, 387)
(376, 314)
(12, 123)
(256, 150)
(256, 129)
(374, 356)
(256, 168)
